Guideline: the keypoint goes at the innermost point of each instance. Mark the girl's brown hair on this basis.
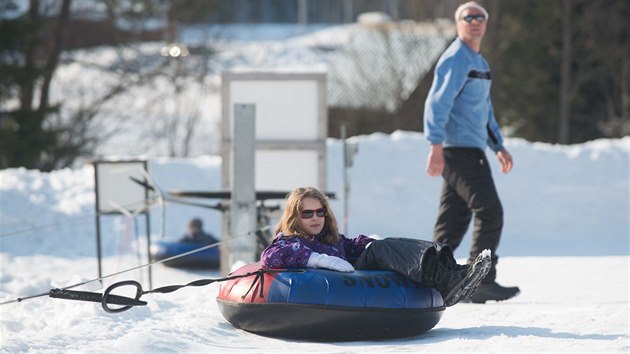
(289, 224)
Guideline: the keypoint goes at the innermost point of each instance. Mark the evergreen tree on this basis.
(529, 64)
(30, 46)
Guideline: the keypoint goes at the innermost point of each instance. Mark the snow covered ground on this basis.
(565, 241)
(565, 244)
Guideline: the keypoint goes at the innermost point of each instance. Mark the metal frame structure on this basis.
(101, 182)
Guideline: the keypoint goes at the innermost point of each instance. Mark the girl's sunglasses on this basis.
(308, 213)
(470, 18)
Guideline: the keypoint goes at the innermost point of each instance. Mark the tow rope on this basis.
(106, 298)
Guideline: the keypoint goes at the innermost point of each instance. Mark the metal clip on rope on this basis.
(106, 298)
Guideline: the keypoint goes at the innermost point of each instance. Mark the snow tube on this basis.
(323, 305)
(209, 258)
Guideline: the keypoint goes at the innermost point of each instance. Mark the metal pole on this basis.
(98, 223)
(346, 187)
(98, 245)
(302, 12)
(148, 220)
(242, 217)
(348, 157)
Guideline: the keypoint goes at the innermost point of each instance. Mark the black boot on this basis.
(454, 282)
(493, 291)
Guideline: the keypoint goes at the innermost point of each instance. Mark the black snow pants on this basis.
(469, 189)
(402, 255)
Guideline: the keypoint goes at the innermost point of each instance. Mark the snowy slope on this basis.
(565, 245)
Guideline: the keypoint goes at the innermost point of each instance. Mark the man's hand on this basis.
(435, 161)
(505, 159)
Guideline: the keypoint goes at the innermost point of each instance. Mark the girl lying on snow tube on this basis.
(307, 237)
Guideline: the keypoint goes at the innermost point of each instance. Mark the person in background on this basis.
(459, 123)
(196, 233)
(307, 236)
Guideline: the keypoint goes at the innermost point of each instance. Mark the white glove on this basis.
(319, 260)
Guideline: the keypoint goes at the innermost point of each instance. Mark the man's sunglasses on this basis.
(470, 18)
(308, 213)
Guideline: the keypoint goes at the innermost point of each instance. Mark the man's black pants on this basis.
(469, 189)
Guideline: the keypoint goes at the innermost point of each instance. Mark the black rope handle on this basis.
(107, 298)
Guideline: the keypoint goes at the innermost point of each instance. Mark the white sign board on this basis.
(115, 187)
(291, 127)
(281, 172)
(284, 109)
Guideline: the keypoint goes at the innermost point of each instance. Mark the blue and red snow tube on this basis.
(323, 305)
(209, 258)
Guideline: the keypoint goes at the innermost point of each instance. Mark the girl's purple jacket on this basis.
(290, 251)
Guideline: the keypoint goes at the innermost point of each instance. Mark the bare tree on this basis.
(611, 62)
(565, 74)
(28, 60)
(381, 64)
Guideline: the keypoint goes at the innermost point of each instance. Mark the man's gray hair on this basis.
(470, 5)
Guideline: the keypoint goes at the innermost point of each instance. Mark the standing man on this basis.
(459, 123)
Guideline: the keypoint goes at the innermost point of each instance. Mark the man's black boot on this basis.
(493, 291)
